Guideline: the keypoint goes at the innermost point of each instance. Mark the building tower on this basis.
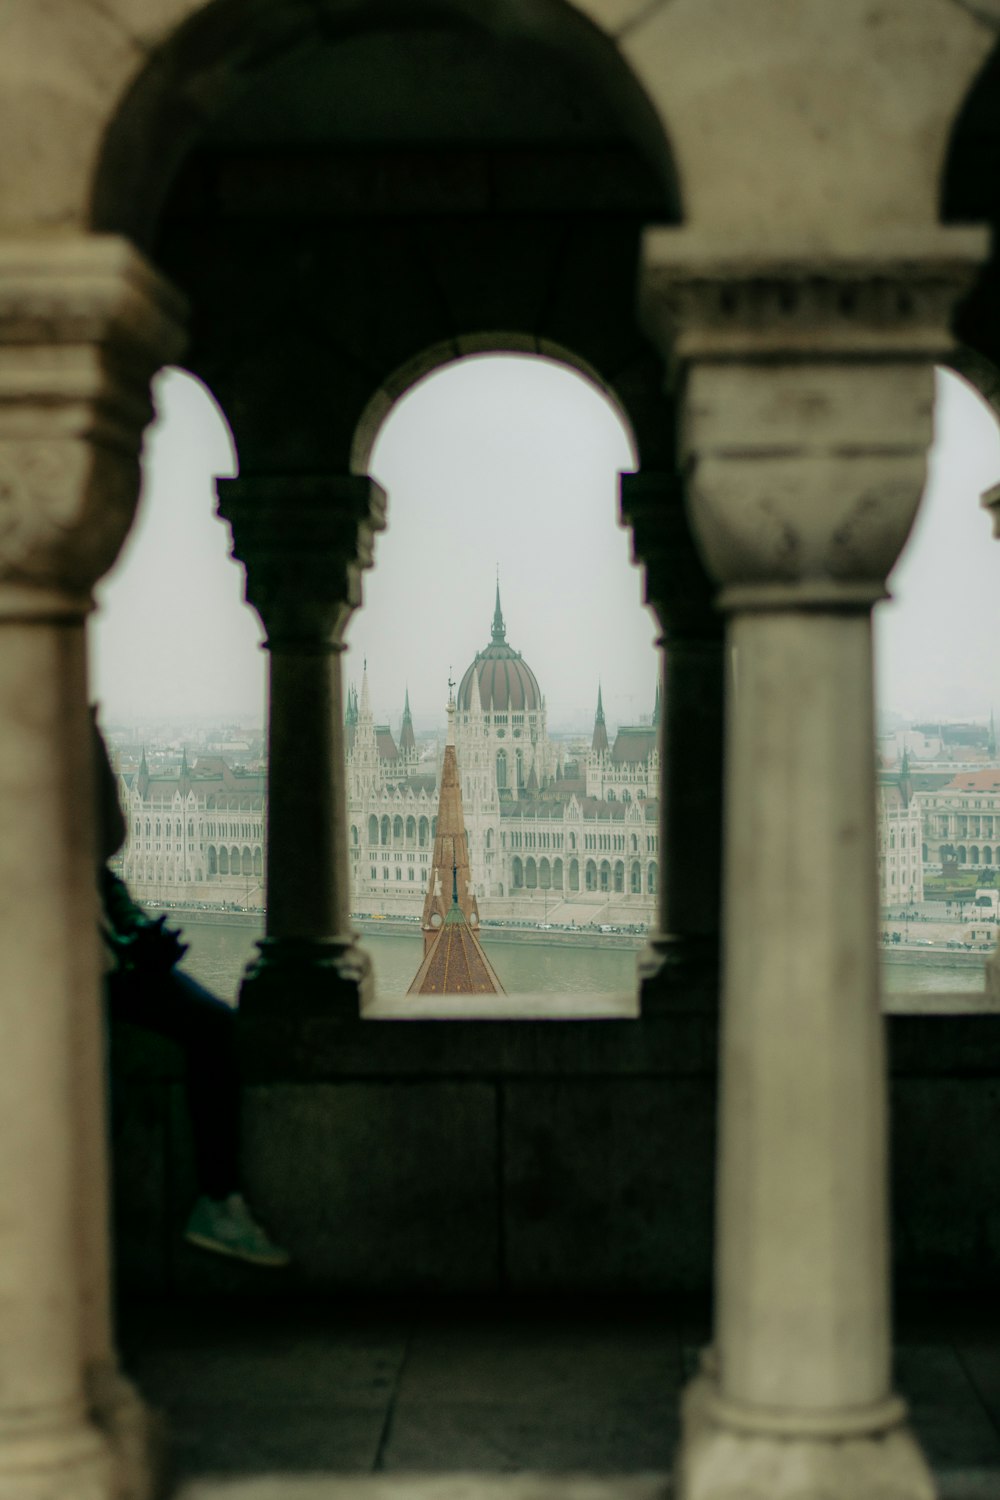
(454, 962)
(450, 865)
(599, 744)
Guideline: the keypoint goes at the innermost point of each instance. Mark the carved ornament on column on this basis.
(84, 325)
(677, 587)
(304, 540)
(808, 406)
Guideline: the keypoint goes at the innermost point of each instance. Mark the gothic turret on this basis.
(407, 739)
(599, 744)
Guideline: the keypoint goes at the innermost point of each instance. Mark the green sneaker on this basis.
(227, 1227)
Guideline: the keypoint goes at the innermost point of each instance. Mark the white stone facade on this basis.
(900, 860)
(198, 837)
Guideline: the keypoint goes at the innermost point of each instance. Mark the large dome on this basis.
(506, 682)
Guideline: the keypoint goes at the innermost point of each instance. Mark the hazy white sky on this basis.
(511, 464)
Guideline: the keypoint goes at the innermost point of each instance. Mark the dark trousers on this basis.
(178, 1007)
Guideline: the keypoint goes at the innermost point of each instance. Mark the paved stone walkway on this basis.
(276, 1389)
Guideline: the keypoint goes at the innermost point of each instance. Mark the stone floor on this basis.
(301, 1390)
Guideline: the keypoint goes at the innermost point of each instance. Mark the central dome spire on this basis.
(499, 628)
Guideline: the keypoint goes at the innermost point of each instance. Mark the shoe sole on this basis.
(217, 1247)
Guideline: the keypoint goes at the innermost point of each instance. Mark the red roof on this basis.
(975, 781)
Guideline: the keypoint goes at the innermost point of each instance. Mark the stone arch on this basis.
(354, 835)
(590, 873)
(213, 863)
(221, 53)
(258, 860)
(397, 829)
(651, 875)
(544, 874)
(530, 874)
(574, 874)
(411, 830)
(373, 829)
(557, 874)
(234, 860)
(423, 833)
(246, 862)
(635, 878)
(386, 829)
(619, 877)
(223, 860)
(517, 872)
(974, 854)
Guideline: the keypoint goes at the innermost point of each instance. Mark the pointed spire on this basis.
(475, 701)
(407, 739)
(599, 744)
(499, 628)
(366, 703)
(185, 774)
(656, 706)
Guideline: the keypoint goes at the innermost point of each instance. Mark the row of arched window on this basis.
(972, 855)
(529, 874)
(234, 861)
(411, 833)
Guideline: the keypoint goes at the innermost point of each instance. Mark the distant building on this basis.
(961, 820)
(898, 835)
(197, 835)
(536, 824)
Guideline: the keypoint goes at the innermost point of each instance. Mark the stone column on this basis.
(83, 326)
(807, 409)
(304, 541)
(680, 963)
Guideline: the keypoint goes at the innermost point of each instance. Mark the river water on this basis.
(220, 951)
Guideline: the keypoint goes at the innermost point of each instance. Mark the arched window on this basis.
(411, 830)
(619, 877)
(213, 866)
(397, 829)
(572, 841)
(373, 829)
(354, 835)
(530, 874)
(422, 834)
(234, 861)
(611, 794)
(502, 768)
(517, 872)
(489, 838)
(258, 860)
(557, 875)
(961, 854)
(223, 861)
(190, 828)
(651, 878)
(520, 768)
(434, 827)
(974, 855)
(246, 862)
(386, 828)
(987, 855)
(635, 883)
(574, 874)
(591, 875)
(545, 875)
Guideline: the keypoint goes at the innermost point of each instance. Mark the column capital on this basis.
(305, 540)
(85, 322)
(807, 406)
(677, 587)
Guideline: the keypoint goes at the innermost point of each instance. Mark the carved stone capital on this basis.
(677, 586)
(807, 406)
(304, 540)
(84, 324)
(702, 301)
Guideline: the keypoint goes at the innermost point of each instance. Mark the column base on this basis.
(70, 1463)
(135, 1434)
(722, 1460)
(678, 973)
(329, 977)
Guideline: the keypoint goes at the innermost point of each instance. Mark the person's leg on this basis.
(176, 1006)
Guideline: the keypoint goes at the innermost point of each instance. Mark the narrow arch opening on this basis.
(501, 473)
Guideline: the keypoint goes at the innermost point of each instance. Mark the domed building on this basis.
(534, 832)
(499, 701)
